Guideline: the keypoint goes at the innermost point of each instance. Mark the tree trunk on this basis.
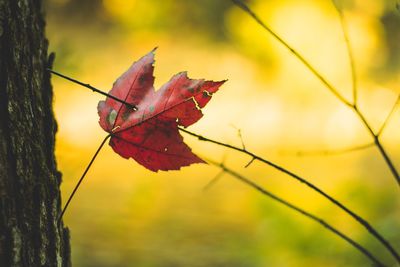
(29, 180)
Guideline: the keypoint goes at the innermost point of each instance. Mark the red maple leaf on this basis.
(150, 134)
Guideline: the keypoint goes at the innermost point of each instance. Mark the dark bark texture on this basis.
(29, 180)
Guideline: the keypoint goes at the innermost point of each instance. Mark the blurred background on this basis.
(125, 215)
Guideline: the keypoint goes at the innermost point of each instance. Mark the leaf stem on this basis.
(355, 216)
(83, 176)
(329, 227)
(93, 89)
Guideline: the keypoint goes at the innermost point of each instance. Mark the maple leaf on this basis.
(149, 134)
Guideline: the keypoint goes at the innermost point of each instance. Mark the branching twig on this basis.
(380, 148)
(334, 91)
(330, 87)
(355, 216)
(329, 227)
(250, 162)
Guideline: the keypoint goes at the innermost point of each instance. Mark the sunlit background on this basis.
(125, 215)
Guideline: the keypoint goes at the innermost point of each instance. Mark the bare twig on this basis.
(329, 227)
(250, 162)
(239, 133)
(388, 117)
(355, 216)
(375, 136)
(241, 138)
(213, 181)
(332, 152)
(93, 89)
(83, 176)
(349, 52)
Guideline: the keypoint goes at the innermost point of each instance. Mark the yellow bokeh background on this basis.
(125, 215)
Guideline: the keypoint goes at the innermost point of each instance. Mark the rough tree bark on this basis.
(29, 180)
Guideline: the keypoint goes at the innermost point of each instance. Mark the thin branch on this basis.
(82, 177)
(355, 216)
(349, 52)
(93, 89)
(241, 138)
(388, 117)
(380, 148)
(239, 133)
(375, 136)
(333, 90)
(213, 181)
(250, 162)
(329, 227)
(333, 152)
